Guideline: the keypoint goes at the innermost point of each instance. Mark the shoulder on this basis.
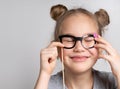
(103, 74)
(105, 79)
(56, 81)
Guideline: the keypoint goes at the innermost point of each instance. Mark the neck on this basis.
(79, 80)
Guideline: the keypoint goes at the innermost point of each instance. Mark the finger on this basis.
(108, 49)
(104, 56)
(101, 40)
(52, 51)
(56, 44)
(102, 43)
(49, 57)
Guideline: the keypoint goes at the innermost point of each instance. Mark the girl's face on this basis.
(79, 59)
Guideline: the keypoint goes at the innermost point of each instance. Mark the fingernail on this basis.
(95, 35)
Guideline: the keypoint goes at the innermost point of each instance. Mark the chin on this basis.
(81, 70)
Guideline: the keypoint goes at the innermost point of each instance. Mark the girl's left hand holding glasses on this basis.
(111, 55)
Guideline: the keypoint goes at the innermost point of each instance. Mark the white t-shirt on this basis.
(102, 80)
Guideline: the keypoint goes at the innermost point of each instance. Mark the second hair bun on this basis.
(103, 17)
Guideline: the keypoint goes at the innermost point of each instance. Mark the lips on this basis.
(79, 58)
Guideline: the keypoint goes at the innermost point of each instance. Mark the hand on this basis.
(48, 57)
(111, 55)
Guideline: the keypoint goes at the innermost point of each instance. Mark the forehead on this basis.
(79, 25)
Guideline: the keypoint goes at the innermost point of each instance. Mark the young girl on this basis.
(78, 43)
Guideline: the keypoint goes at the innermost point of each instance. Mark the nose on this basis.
(78, 46)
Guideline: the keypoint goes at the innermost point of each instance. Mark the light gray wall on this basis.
(26, 27)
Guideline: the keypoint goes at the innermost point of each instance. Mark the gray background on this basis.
(26, 27)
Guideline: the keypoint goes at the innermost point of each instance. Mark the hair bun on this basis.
(57, 10)
(103, 17)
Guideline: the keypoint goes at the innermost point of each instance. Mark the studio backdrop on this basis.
(26, 27)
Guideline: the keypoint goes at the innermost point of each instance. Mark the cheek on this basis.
(63, 53)
(67, 51)
(94, 52)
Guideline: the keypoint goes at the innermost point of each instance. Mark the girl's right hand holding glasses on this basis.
(48, 58)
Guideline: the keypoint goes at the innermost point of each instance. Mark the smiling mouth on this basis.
(79, 59)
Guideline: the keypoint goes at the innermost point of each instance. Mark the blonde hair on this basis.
(60, 12)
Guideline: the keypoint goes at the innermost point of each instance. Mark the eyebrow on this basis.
(68, 34)
(77, 36)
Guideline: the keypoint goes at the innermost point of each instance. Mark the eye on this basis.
(68, 39)
(88, 39)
